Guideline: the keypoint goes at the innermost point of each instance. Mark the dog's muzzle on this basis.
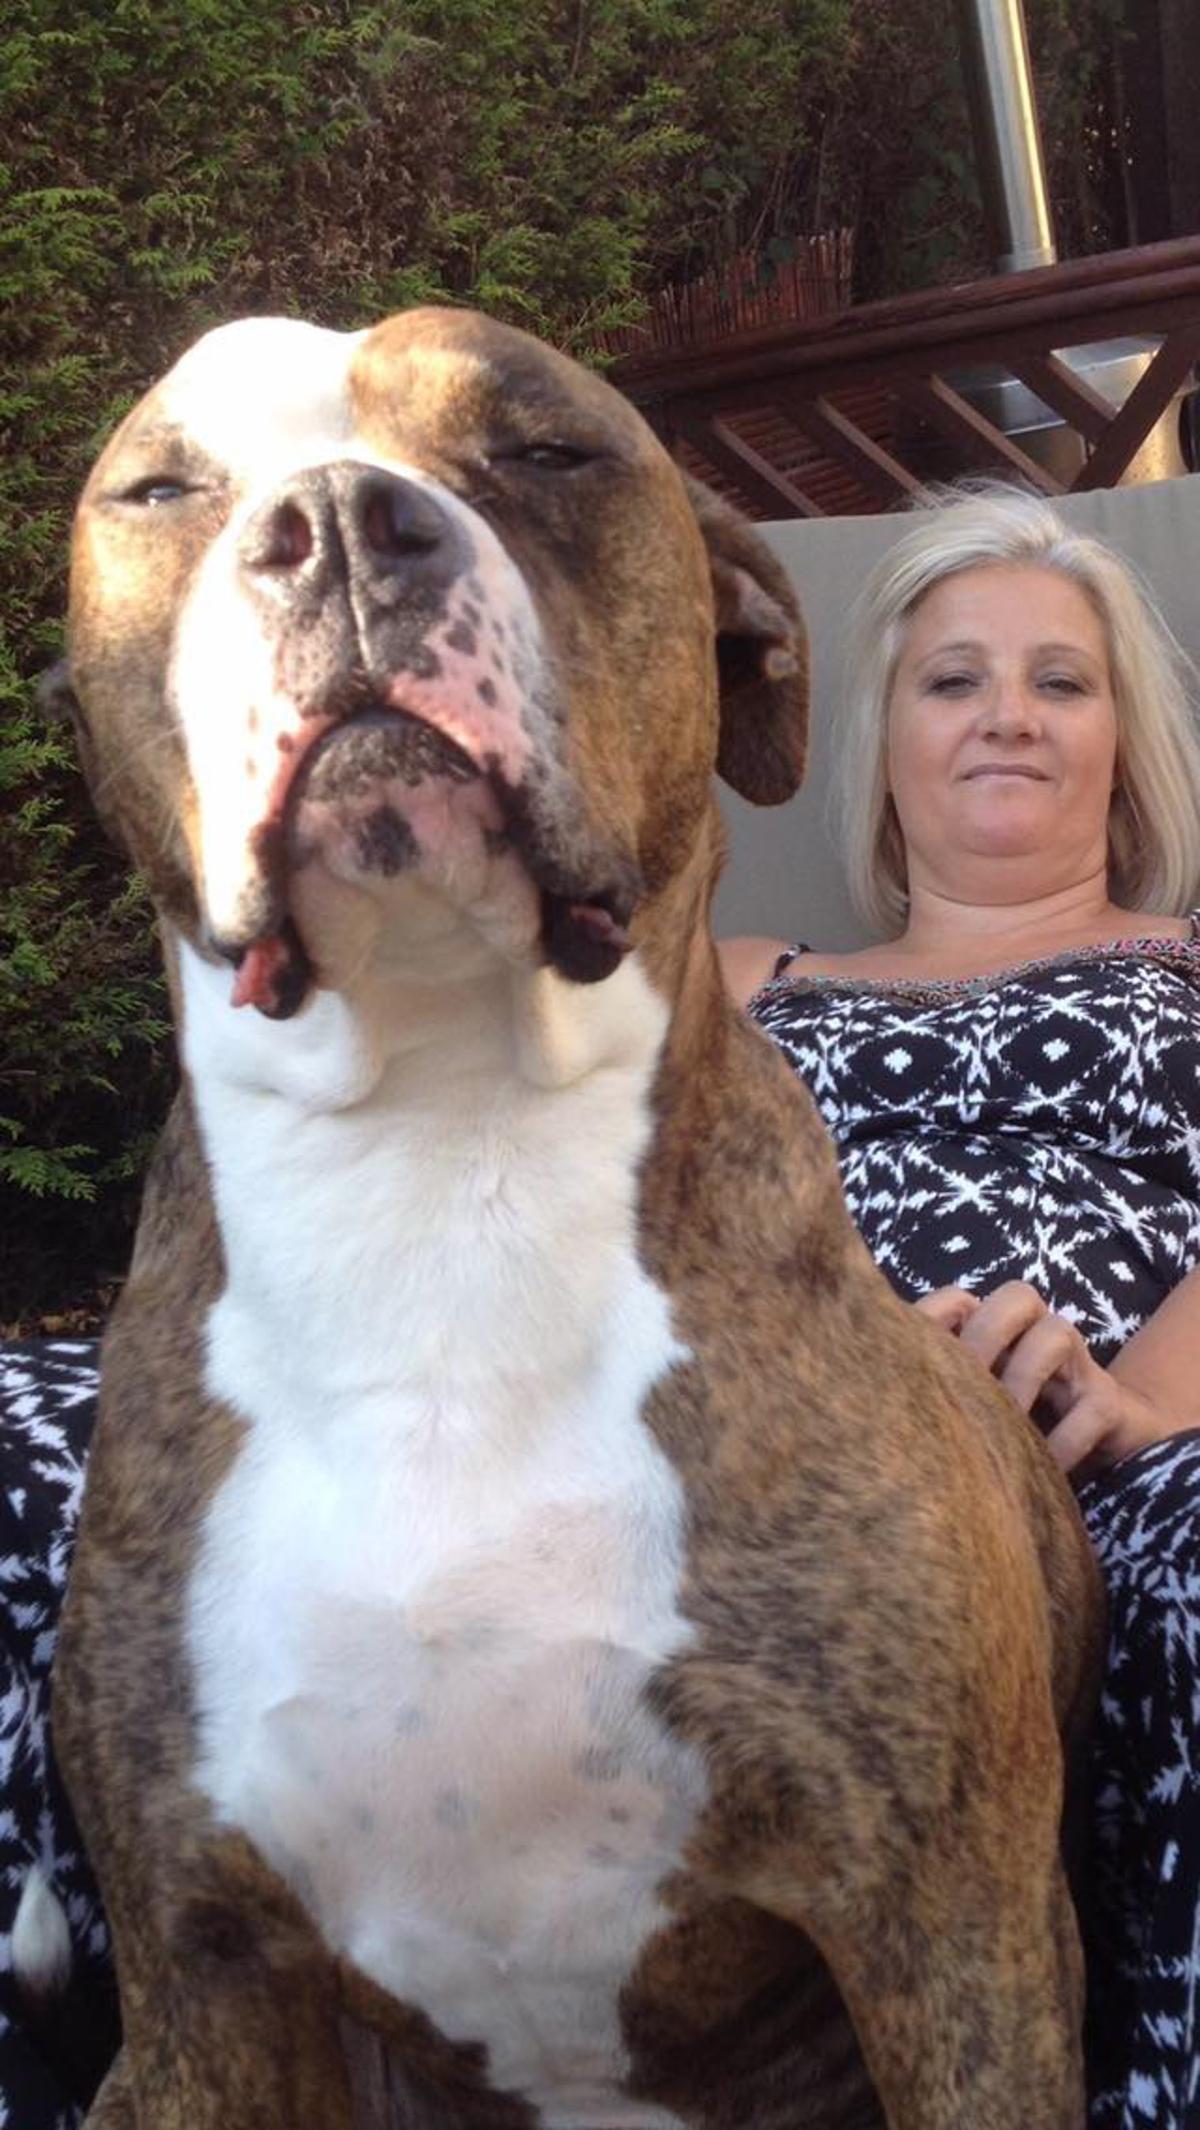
(409, 740)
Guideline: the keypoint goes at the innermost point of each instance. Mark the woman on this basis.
(1013, 1084)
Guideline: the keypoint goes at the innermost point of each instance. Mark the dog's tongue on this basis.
(584, 940)
(274, 974)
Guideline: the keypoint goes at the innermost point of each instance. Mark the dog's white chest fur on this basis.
(441, 1572)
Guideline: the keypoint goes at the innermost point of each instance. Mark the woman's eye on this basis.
(952, 683)
(1062, 684)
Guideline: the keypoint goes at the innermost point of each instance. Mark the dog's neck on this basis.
(424, 1190)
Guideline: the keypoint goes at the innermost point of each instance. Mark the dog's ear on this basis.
(762, 657)
(55, 696)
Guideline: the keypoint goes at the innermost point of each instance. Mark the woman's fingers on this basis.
(1049, 1361)
(948, 1307)
(1104, 1424)
(1003, 1316)
(1042, 1359)
(1086, 1428)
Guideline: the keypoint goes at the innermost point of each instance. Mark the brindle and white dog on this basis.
(553, 1640)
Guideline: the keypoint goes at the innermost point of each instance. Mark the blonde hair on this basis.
(1154, 820)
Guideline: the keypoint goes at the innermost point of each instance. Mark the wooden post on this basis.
(1162, 86)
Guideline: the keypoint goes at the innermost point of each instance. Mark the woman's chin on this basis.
(1011, 819)
(1028, 855)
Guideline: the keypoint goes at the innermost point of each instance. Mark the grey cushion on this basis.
(783, 877)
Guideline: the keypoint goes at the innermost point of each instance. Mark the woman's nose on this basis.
(1011, 707)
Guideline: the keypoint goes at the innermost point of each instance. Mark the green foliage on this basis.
(83, 1072)
(165, 164)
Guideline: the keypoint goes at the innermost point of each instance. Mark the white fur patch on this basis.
(447, 1560)
(264, 394)
(41, 1938)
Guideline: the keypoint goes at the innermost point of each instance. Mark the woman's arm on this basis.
(1150, 1391)
(1161, 1362)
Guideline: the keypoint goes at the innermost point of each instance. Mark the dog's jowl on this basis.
(552, 1640)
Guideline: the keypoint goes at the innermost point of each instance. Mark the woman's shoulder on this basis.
(748, 964)
(1154, 924)
(1152, 937)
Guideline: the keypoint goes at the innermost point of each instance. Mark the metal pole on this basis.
(1008, 146)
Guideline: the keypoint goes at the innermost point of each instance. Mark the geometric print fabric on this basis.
(1042, 1124)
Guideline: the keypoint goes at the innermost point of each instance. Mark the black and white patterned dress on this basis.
(1045, 1125)
(49, 2061)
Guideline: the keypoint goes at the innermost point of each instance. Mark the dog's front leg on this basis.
(117, 2105)
(229, 1998)
(114, 2107)
(967, 1998)
(229, 2005)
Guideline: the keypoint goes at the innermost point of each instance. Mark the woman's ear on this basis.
(762, 656)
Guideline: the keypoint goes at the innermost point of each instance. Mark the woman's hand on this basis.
(1042, 1360)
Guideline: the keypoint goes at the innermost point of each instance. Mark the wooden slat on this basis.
(977, 438)
(849, 366)
(823, 479)
(1065, 393)
(835, 433)
(1129, 429)
(740, 463)
(1104, 292)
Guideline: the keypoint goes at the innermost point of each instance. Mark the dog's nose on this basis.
(395, 519)
(378, 531)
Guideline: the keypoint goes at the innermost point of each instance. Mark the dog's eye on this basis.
(154, 490)
(547, 456)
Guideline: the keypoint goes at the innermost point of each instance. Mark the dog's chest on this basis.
(434, 1587)
(423, 1695)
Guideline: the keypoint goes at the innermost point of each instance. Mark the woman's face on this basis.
(1002, 734)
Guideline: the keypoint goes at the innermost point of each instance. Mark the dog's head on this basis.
(384, 632)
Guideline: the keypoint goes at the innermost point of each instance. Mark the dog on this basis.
(553, 1640)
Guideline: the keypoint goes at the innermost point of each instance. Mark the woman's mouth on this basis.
(1006, 769)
